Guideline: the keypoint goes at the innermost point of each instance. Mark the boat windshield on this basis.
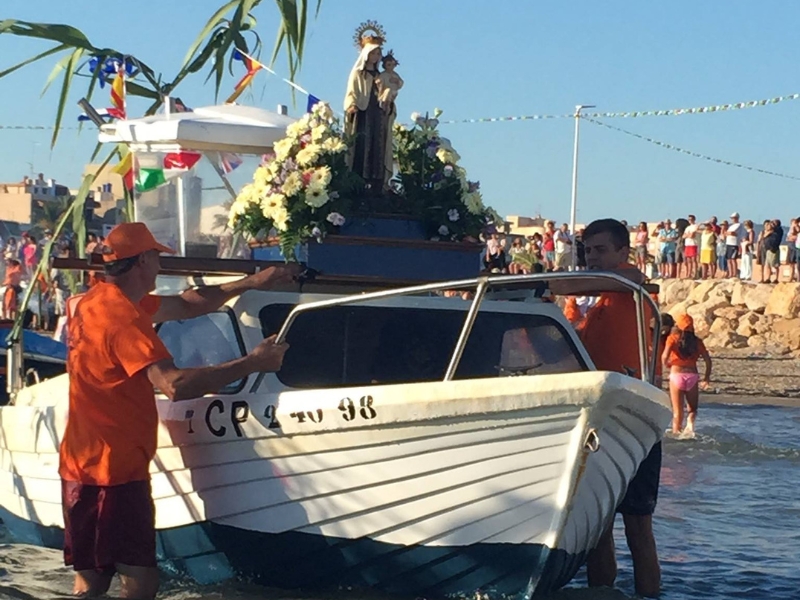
(363, 345)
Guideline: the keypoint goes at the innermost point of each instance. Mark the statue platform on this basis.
(386, 247)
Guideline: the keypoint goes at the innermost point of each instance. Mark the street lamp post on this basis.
(574, 206)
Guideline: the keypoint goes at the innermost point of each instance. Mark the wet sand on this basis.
(744, 377)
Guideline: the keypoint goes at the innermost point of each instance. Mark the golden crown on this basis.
(369, 32)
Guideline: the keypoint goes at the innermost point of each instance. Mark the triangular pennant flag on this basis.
(229, 161)
(312, 100)
(149, 179)
(181, 160)
(125, 169)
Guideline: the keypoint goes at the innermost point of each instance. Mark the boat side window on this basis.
(204, 341)
(363, 345)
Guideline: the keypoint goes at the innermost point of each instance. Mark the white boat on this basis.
(411, 443)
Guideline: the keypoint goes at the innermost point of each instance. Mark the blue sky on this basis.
(506, 57)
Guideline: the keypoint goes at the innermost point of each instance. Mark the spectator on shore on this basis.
(92, 244)
(791, 242)
(29, 253)
(761, 252)
(563, 247)
(515, 268)
(796, 266)
(668, 237)
(772, 251)
(733, 240)
(708, 251)
(12, 283)
(640, 247)
(690, 251)
(580, 251)
(495, 258)
(748, 246)
(722, 248)
(549, 246)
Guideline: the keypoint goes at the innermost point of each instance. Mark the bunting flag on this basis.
(126, 170)
(228, 162)
(692, 153)
(149, 179)
(252, 66)
(181, 160)
(173, 164)
(672, 112)
(118, 95)
(312, 101)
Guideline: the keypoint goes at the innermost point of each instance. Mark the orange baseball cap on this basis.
(131, 239)
(685, 322)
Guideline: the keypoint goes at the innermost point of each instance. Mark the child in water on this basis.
(681, 352)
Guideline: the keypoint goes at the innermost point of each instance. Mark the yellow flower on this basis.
(273, 204)
(448, 156)
(283, 149)
(320, 178)
(263, 176)
(318, 133)
(280, 219)
(293, 184)
(297, 129)
(308, 155)
(333, 145)
(323, 111)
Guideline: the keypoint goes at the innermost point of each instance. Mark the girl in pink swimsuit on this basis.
(681, 352)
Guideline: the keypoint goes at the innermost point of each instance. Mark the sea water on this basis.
(727, 523)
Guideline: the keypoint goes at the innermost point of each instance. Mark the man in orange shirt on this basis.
(115, 359)
(610, 335)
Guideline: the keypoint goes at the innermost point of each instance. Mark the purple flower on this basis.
(436, 177)
(474, 186)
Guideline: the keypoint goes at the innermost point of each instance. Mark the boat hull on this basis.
(453, 487)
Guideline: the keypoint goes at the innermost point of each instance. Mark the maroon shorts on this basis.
(107, 525)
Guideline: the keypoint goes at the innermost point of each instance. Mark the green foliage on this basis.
(434, 187)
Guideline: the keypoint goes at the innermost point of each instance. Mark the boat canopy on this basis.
(223, 128)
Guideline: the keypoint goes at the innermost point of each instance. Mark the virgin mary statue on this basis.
(366, 123)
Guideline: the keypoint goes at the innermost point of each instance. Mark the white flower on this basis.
(323, 111)
(453, 215)
(336, 219)
(316, 197)
(443, 230)
(415, 116)
(316, 232)
(308, 155)
(437, 112)
(293, 184)
(448, 170)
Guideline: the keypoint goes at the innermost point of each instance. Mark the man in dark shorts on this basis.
(610, 335)
(114, 361)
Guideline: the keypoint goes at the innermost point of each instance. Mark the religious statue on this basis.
(370, 110)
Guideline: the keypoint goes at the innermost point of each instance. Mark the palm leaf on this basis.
(69, 72)
(33, 59)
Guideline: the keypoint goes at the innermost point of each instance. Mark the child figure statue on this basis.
(389, 84)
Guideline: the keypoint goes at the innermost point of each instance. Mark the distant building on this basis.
(527, 226)
(17, 200)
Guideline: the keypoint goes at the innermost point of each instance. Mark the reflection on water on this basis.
(726, 523)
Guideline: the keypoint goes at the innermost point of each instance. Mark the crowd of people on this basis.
(689, 249)
(685, 249)
(19, 267)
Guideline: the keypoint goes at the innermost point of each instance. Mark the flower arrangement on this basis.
(435, 186)
(303, 190)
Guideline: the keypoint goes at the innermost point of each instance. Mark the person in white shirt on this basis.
(733, 241)
(563, 248)
(690, 248)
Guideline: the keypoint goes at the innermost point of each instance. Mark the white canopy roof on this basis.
(223, 128)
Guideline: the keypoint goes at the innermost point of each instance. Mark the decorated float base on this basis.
(383, 247)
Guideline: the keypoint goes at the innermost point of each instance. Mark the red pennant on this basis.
(181, 160)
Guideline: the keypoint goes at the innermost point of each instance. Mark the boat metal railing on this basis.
(594, 283)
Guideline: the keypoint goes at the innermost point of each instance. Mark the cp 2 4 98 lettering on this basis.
(350, 411)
